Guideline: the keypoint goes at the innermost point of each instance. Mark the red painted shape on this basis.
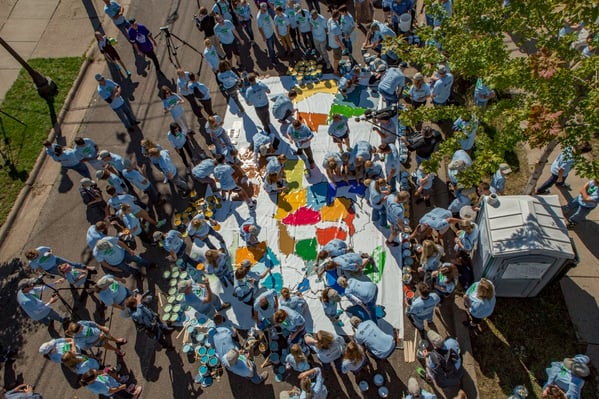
(324, 236)
(302, 217)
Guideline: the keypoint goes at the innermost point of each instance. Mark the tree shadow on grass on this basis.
(521, 338)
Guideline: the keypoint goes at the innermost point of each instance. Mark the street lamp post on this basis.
(46, 88)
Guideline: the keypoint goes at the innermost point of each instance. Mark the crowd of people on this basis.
(124, 206)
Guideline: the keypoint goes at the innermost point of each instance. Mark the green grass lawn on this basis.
(520, 340)
(22, 144)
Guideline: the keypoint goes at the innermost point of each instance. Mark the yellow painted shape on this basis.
(338, 210)
(290, 202)
(325, 86)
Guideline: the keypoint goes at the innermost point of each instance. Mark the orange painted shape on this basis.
(324, 236)
(253, 254)
(313, 120)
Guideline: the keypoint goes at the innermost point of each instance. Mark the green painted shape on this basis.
(346, 110)
(376, 272)
(306, 249)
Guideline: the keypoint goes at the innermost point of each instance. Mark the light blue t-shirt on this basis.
(115, 293)
(224, 32)
(241, 368)
(93, 236)
(301, 136)
(335, 247)
(224, 174)
(282, 104)
(31, 303)
(222, 341)
(172, 241)
(282, 24)
(264, 22)
(303, 20)
(112, 10)
(204, 169)
(105, 91)
(334, 31)
(480, 308)
(392, 161)
(361, 291)
(380, 344)
(348, 262)
(441, 89)
(391, 81)
(113, 256)
(256, 95)
(267, 313)
(228, 78)
(177, 139)
(136, 178)
(339, 129)
(319, 28)
(564, 161)
(102, 385)
(593, 192)
(172, 104)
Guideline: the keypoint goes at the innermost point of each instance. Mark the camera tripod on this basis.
(56, 292)
(171, 48)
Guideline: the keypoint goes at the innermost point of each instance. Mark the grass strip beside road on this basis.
(20, 145)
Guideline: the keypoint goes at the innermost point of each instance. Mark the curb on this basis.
(6, 227)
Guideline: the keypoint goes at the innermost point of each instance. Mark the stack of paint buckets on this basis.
(174, 309)
(198, 346)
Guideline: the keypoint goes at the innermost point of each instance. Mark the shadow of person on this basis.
(66, 184)
(182, 382)
(145, 347)
(71, 377)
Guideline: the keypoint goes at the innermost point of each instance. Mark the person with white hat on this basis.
(55, 348)
(111, 93)
(569, 375)
(112, 291)
(115, 256)
(249, 231)
(444, 362)
(498, 181)
(415, 392)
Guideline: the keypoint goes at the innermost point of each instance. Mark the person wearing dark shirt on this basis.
(426, 145)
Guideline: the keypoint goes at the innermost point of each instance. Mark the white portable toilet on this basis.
(523, 244)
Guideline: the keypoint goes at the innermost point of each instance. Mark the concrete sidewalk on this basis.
(44, 28)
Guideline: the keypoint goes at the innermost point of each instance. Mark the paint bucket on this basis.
(211, 352)
(274, 346)
(410, 294)
(213, 361)
(383, 392)
(408, 261)
(198, 379)
(177, 308)
(406, 245)
(187, 348)
(379, 380)
(183, 275)
(174, 317)
(274, 358)
(166, 274)
(203, 370)
(173, 283)
(171, 292)
(175, 274)
(201, 337)
(405, 22)
(168, 308)
(363, 385)
(166, 316)
(204, 359)
(179, 297)
(202, 318)
(281, 370)
(207, 382)
(406, 253)
(202, 350)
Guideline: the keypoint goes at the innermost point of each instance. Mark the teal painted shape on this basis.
(273, 280)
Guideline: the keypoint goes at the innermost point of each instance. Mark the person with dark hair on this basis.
(205, 22)
(111, 93)
(29, 298)
(426, 145)
(23, 391)
(201, 92)
(110, 54)
(227, 36)
(301, 135)
(67, 158)
(422, 308)
(230, 81)
(143, 42)
(257, 95)
(178, 139)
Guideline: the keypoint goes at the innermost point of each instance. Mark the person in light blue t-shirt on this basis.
(441, 85)
(561, 167)
(422, 308)
(583, 204)
(479, 301)
(238, 363)
(111, 93)
(257, 95)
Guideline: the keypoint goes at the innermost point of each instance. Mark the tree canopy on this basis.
(548, 90)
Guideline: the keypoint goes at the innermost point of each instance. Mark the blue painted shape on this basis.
(331, 281)
(331, 194)
(274, 280)
(272, 258)
(304, 285)
(358, 311)
(316, 196)
(380, 312)
(358, 189)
